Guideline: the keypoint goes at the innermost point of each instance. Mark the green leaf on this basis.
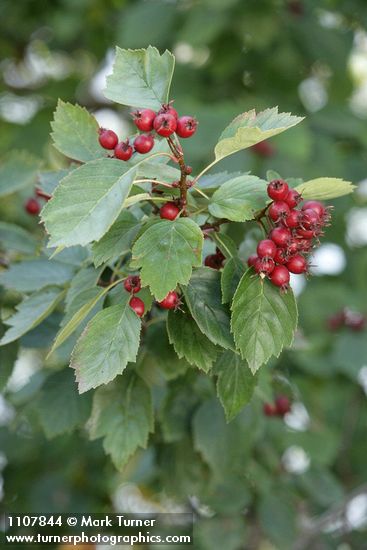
(87, 202)
(59, 407)
(189, 342)
(235, 384)
(250, 128)
(117, 240)
(158, 170)
(8, 356)
(15, 238)
(140, 78)
(75, 133)
(213, 181)
(227, 246)
(18, 170)
(166, 252)
(176, 411)
(48, 181)
(31, 312)
(277, 516)
(263, 319)
(203, 297)
(33, 275)
(122, 414)
(110, 340)
(239, 198)
(325, 188)
(232, 273)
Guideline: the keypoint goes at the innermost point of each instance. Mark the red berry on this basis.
(186, 126)
(137, 305)
(280, 276)
(281, 256)
(251, 260)
(132, 284)
(263, 149)
(279, 211)
(282, 405)
(266, 249)
(281, 236)
(293, 198)
(165, 124)
(297, 264)
(264, 265)
(171, 301)
(336, 321)
(107, 138)
(293, 248)
(220, 254)
(144, 143)
(169, 211)
(167, 108)
(293, 220)
(123, 150)
(214, 261)
(317, 206)
(269, 409)
(278, 190)
(33, 207)
(310, 219)
(307, 233)
(188, 170)
(144, 119)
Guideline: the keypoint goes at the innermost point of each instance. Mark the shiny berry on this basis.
(132, 284)
(137, 305)
(317, 206)
(168, 109)
(282, 405)
(171, 301)
(186, 126)
(169, 211)
(310, 219)
(297, 264)
(281, 256)
(280, 276)
(123, 150)
(293, 198)
(278, 190)
(214, 261)
(266, 248)
(107, 138)
(279, 211)
(144, 143)
(251, 260)
(264, 265)
(33, 207)
(143, 119)
(307, 233)
(269, 409)
(293, 247)
(281, 236)
(293, 219)
(165, 124)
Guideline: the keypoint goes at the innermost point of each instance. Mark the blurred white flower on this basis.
(298, 418)
(329, 259)
(295, 460)
(357, 227)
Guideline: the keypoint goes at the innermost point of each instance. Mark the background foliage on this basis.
(309, 58)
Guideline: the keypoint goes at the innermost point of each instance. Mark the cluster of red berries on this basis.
(280, 407)
(292, 236)
(354, 320)
(132, 284)
(32, 205)
(215, 261)
(164, 123)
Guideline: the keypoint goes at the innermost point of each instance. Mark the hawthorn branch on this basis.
(178, 152)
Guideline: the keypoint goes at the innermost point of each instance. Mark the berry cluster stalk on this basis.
(179, 155)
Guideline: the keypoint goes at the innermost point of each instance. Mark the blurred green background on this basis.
(308, 57)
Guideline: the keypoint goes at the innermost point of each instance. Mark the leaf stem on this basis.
(154, 181)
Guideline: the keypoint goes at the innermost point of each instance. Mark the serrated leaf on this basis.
(203, 297)
(87, 202)
(140, 78)
(250, 128)
(166, 252)
(232, 273)
(18, 170)
(117, 240)
(31, 312)
(122, 414)
(325, 188)
(189, 342)
(213, 181)
(226, 245)
(235, 383)
(33, 275)
(59, 407)
(75, 133)
(263, 319)
(109, 342)
(238, 199)
(15, 238)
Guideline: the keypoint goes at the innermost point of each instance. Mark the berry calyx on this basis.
(281, 256)
(132, 284)
(137, 305)
(169, 211)
(165, 124)
(297, 264)
(143, 119)
(144, 143)
(293, 198)
(281, 236)
(107, 138)
(280, 276)
(33, 207)
(168, 109)
(266, 248)
(251, 260)
(123, 150)
(171, 301)
(278, 190)
(310, 219)
(269, 409)
(293, 219)
(282, 405)
(279, 211)
(264, 266)
(186, 126)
